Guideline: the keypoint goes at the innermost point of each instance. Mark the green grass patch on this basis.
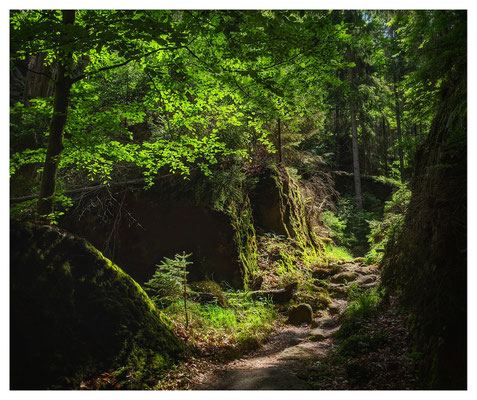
(336, 253)
(241, 326)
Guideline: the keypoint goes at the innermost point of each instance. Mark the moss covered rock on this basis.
(426, 259)
(302, 313)
(75, 314)
(208, 292)
(278, 207)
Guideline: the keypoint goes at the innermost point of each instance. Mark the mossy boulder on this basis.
(302, 313)
(326, 272)
(75, 314)
(344, 277)
(208, 292)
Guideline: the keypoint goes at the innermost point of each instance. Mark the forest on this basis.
(238, 199)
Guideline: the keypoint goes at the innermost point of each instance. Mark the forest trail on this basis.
(277, 364)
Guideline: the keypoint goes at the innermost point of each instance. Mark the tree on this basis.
(132, 35)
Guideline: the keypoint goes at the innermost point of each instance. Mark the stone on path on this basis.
(343, 277)
(319, 334)
(300, 314)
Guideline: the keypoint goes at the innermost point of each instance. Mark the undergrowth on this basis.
(224, 331)
(355, 338)
(386, 230)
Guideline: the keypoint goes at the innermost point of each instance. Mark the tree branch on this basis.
(80, 77)
(39, 73)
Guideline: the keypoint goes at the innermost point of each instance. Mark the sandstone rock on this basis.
(367, 279)
(326, 272)
(300, 314)
(328, 323)
(75, 314)
(338, 307)
(319, 334)
(277, 295)
(338, 291)
(344, 277)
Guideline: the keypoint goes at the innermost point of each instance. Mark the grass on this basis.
(240, 327)
(335, 253)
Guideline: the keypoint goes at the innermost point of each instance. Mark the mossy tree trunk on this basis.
(63, 85)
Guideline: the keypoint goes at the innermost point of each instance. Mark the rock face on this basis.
(141, 227)
(427, 260)
(278, 207)
(300, 314)
(75, 314)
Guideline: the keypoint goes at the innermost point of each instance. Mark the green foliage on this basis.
(355, 339)
(336, 253)
(365, 304)
(348, 227)
(388, 229)
(335, 226)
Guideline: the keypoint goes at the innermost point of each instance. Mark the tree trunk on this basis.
(399, 132)
(57, 126)
(385, 148)
(356, 171)
(354, 138)
(279, 145)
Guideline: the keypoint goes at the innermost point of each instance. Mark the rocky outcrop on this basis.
(278, 207)
(427, 261)
(137, 228)
(75, 314)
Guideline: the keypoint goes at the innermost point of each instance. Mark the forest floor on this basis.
(377, 356)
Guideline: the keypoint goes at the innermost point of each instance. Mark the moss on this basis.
(208, 291)
(279, 208)
(75, 314)
(244, 238)
(293, 209)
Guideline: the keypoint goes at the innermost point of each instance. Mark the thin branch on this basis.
(40, 73)
(80, 77)
(88, 188)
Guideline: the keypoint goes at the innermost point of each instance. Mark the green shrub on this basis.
(385, 231)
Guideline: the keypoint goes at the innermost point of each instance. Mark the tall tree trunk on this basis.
(279, 137)
(57, 126)
(399, 132)
(385, 148)
(356, 171)
(354, 138)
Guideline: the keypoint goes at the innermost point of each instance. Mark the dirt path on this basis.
(273, 367)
